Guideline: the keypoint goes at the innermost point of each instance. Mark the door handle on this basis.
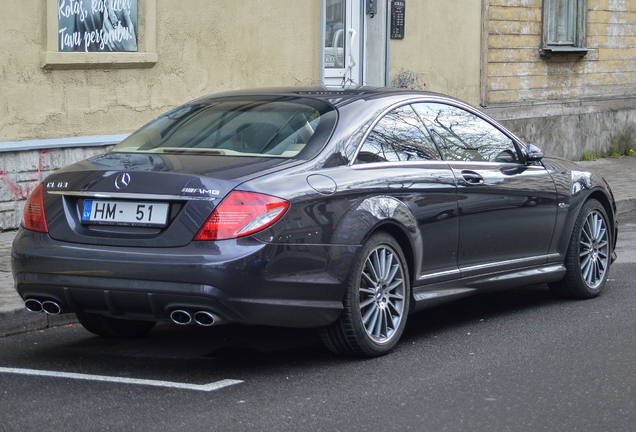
(472, 177)
(352, 60)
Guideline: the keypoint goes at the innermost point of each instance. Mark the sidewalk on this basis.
(14, 318)
(621, 176)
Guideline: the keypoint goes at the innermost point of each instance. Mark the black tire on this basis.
(588, 257)
(369, 297)
(112, 327)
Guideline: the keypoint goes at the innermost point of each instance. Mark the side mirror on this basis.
(533, 153)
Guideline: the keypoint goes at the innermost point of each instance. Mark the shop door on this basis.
(342, 36)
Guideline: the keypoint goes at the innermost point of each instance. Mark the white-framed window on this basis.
(564, 27)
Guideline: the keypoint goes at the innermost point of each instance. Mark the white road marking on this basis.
(199, 387)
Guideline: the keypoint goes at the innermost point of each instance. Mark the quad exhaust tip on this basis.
(51, 307)
(33, 305)
(46, 306)
(202, 318)
(180, 317)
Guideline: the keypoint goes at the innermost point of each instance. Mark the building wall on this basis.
(441, 48)
(202, 46)
(517, 73)
(207, 47)
(567, 105)
(20, 173)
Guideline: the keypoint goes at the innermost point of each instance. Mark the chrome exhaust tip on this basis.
(33, 305)
(51, 307)
(180, 317)
(204, 319)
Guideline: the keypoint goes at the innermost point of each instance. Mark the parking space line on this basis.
(156, 383)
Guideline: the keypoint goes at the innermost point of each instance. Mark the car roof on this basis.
(337, 98)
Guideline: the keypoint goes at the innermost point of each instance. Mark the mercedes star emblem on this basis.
(122, 180)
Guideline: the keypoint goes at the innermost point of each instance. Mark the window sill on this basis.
(557, 51)
(81, 60)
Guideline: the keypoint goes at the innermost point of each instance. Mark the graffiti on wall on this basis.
(97, 25)
(21, 191)
(409, 80)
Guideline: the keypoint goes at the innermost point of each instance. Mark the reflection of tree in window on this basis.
(399, 136)
(463, 136)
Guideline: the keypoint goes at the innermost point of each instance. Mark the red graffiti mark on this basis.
(15, 189)
(41, 161)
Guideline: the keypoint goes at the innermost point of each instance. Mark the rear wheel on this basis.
(376, 303)
(112, 327)
(588, 256)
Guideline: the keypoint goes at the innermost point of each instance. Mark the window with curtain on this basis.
(564, 26)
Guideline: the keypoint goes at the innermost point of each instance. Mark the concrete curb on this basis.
(16, 320)
(625, 205)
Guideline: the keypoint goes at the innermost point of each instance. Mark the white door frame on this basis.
(351, 56)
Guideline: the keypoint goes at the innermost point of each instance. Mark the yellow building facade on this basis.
(189, 49)
(71, 86)
(73, 81)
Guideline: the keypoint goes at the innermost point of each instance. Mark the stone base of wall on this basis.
(570, 128)
(21, 171)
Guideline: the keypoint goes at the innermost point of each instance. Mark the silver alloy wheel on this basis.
(382, 289)
(594, 250)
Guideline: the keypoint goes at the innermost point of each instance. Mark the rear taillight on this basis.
(33, 218)
(241, 214)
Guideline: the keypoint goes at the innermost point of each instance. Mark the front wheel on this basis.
(376, 303)
(588, 257)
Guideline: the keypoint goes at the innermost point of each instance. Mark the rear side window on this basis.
(235, 127)
(399, 136)
(463, 136)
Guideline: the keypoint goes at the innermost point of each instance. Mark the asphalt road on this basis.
(519, 360)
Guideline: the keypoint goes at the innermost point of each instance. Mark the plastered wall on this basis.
(203, 47)
(442, 47)
(209, 46)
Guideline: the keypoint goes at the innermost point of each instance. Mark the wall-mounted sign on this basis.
(97, 25)
(397, 19)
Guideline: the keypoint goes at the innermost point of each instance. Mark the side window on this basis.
(399, 136)
(462, 136)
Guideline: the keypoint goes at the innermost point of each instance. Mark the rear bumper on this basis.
(244, 281)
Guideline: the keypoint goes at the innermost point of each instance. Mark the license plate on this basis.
(125, 213)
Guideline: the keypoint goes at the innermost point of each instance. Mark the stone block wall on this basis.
(569, 128)
(21, 171)
(570, 136)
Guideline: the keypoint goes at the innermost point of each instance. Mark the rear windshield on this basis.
(283, 127)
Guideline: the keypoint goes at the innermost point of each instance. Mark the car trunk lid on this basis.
(144, 200)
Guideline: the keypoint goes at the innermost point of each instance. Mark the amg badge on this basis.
(200, 191)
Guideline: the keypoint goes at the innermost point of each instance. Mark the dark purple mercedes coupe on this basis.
(301, 207)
